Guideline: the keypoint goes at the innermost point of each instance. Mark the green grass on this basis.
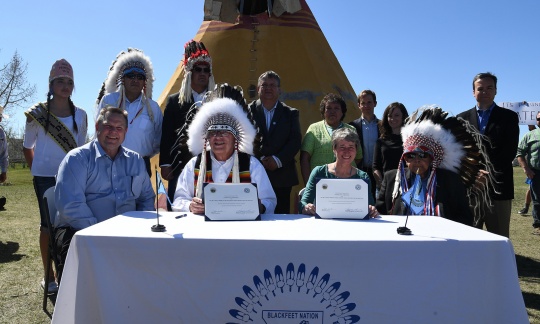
(21, 269)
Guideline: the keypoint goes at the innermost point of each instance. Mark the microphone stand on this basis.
(158, 227)
(404, 230)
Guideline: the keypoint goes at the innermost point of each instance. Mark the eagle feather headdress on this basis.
(455, 146)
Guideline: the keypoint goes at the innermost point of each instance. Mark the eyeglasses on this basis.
(419, 155)
(199, 69)
(218, 133)
(133, 76)
(537, 119)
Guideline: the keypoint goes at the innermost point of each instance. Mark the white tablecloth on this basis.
(288, 269)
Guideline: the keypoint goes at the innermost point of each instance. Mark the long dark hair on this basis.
(384, 126)
(71, 109)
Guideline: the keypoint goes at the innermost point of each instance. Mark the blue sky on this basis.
(416, 52)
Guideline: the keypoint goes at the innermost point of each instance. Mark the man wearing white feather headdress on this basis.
(438, 170)
(221, 138)
(129, 87)
(180, 110)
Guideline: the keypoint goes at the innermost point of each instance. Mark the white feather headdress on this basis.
(226, 112)
(125, 60)
(133, 58)
(454, 145)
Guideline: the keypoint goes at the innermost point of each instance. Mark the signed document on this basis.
(231, 201)
(342, 198)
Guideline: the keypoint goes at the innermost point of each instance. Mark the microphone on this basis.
(404, 230)
(417, 186)
(158, 227)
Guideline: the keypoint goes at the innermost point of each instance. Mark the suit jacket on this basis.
(357, 123)
(283, 140)
(174, 117)
(502, 130)
(450, 196)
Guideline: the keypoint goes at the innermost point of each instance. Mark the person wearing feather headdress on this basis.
(129, 87)
(221, 138)
(437, 171)
(181, 108)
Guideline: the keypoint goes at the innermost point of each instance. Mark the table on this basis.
(288, 269)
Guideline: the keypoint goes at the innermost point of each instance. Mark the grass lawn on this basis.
(21, 270)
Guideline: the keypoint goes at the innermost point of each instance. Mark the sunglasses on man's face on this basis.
(419, 155)
(199, 69)
(537, 119)
(133, 76)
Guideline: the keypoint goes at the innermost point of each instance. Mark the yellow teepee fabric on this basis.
(292, 45)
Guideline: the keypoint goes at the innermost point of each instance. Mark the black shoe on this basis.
(524, 210)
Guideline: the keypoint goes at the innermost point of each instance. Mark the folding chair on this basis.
(297, 200)
(50, 212)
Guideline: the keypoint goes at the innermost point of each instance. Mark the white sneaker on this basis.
(53, 286)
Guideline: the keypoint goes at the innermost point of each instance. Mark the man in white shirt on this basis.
(224, 126)
(129, 87)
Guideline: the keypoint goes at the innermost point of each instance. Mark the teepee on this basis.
(252, 37)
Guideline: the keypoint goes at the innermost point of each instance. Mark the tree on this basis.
(15, 90)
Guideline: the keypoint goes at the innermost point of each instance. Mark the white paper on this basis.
(526, 111)
(342, 198)
(231, 201)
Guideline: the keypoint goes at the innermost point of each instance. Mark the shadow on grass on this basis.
(8, 252)
(528, 271)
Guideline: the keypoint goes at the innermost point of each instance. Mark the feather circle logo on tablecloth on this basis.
(292, 297)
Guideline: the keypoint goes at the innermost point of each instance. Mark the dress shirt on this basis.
(91, 187)
(198, 97)
(370, 133)
(144, 135)
(269, 114)
(220, 172)
(483, 117)
(3, 151)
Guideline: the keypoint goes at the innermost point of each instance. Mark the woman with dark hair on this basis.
(52, 129)
(316, 147)
(389, 146)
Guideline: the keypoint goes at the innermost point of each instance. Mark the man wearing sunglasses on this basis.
(528, 156)
(181, 109)
(427, 181)
(500, 127)
(129, 87)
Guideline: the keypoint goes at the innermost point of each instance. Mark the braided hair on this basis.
(71, 110)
